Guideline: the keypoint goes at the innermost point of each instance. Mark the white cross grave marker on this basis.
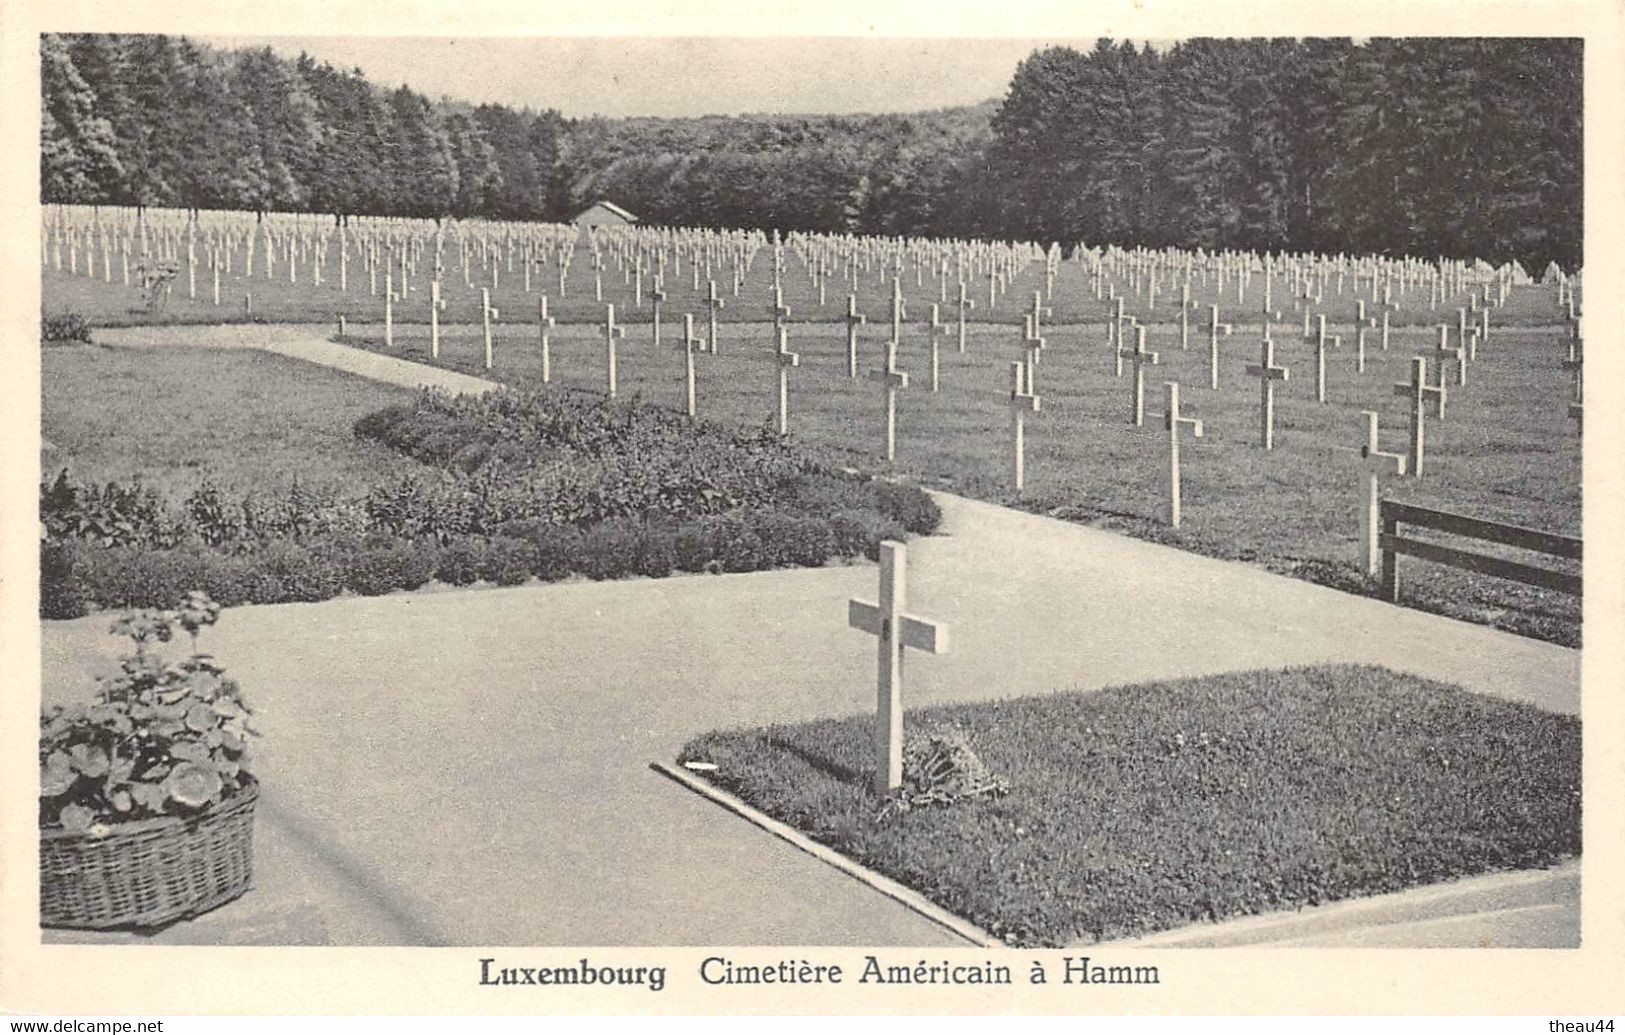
(611, 332)
(690, 345)
(1140, 358)
(1174, 423)
(1214, 328)
(657, 295)
(854, 320)
(936, 330)
(487, 314)
(890, 379)
(545, 324)
(965, 306)
(1375, 462)
(1419, 392)
(895, 630)
(1456, 353)
(1022, 402)
(714, 303)
(786, 359)
(1267, 373)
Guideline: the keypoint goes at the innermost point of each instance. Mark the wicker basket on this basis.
(150, 872)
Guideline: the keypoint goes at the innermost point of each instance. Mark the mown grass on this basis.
(1505, 450)
(275, 300)
(1143, 808)
(245, 420)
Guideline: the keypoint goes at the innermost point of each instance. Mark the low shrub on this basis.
(136, 576)
(508, 561)
(693, 548)
(64, 327)
(611, 549)
(545, 484)
(379, 565)
(658, 555)
(737, 545)
(909, 506)
(61, 593)
(463, 561)
(294, 572)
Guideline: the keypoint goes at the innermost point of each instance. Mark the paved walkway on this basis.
(308, 342)
(470, 767)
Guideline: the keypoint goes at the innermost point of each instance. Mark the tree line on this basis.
(1427, 147)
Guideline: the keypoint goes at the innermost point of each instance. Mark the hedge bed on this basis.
(539, 484)
(1143, 808)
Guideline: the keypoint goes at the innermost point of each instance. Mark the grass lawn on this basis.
(275, 300)
(1143, 808)
(1505, 450)
(245, 420)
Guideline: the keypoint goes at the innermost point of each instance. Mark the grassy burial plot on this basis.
(277, 300)
(1504, 451)
(1143, 808)
(173, 417)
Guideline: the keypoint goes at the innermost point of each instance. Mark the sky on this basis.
(671, 76)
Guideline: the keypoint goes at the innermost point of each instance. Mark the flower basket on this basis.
(149, 872)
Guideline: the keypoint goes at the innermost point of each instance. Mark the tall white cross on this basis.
(657, 295)
(715, 304)
(1141, 359)
(1174, 424)
(1419, 392)
(690, 345)
(545, 324)
(895, 630)
(936, 328)
(1321, 341)
(1576, 364)
(966, 304)
(1214, 329)
(853, 320)
(1455, 353)
(1267, 373)
(890, 379)
(786, 359)
(1022, 402)
(611, 332)
(487, 314)
(1375, 462)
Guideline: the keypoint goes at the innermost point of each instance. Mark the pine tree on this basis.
(78, 151)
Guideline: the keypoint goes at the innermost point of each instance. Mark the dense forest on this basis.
(1427, 147)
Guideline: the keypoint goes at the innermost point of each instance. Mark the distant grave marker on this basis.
(611, 332)
(1141, 359)
(1419, 392)
(1267, 373)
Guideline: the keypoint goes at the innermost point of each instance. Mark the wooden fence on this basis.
(1393, 545)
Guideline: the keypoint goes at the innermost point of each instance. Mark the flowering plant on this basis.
(161, 739)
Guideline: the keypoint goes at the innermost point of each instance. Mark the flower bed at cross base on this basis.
(1143, 808)
(540, 484)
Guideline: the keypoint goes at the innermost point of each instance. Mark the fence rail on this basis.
(1393, 545)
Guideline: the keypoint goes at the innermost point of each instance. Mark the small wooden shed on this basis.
(604, 213)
